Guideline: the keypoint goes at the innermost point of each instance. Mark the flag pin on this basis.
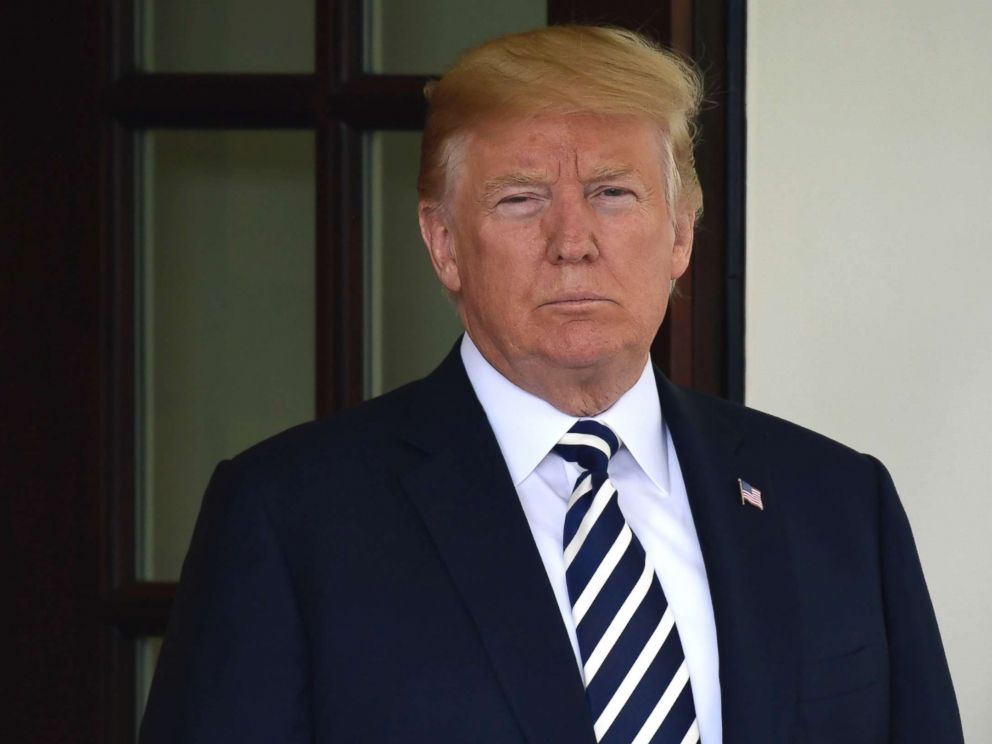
(750, 494)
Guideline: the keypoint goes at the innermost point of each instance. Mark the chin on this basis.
(577, 351)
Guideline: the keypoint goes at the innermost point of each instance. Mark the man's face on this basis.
(557, 243)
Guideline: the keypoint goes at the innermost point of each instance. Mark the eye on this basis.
(614, 192)
(614, 197)
(517, 205)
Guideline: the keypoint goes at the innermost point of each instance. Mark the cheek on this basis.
(506, 257)
(493, 280)
(649, 270)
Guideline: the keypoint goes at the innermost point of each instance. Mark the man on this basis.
(545, 540)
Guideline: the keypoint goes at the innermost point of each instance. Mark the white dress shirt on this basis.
(652, 498)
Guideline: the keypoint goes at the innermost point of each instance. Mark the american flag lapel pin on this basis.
(750, 494)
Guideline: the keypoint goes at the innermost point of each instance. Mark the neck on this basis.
(583, 398)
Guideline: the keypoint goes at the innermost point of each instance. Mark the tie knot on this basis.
(589, 444)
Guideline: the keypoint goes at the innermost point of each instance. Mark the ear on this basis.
(440, 244)
(685, 224)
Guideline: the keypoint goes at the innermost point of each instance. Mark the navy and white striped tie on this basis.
(636, 677)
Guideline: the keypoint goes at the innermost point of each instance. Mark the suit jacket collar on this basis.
(747, 560)
(464, 494)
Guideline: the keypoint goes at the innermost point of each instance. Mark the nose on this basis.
(571, 230)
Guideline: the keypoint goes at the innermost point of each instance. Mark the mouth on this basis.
(575, 299)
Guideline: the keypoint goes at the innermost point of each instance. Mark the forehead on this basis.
(576, 144)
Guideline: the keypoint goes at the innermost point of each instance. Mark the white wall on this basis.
(869, 269)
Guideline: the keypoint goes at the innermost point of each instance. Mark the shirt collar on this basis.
(527, 427)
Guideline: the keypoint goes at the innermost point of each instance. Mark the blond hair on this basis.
(562, 70)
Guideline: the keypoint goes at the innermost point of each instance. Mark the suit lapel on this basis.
(747, 564)
(464, 494)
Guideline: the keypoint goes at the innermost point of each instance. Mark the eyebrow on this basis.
(609, 172)
(497, 184)
(602, 173)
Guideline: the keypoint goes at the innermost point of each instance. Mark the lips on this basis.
(576, 297)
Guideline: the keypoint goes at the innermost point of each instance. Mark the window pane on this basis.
(225, 35)
(425, 36)
(226, 315)
(145, 658)
(411, 323)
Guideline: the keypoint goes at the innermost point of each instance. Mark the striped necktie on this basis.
(636, 677)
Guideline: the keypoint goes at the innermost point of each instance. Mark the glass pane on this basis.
(225, 36)
(145, 658)
(425, 36)
(411, 323)
(226, 315)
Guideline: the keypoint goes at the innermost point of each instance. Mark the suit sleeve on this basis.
(923, 706)
(233, 664)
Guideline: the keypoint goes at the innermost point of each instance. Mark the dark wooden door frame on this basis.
(66, 523)
(50, 376)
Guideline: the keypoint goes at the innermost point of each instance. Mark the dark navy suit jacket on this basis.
(371, 577)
